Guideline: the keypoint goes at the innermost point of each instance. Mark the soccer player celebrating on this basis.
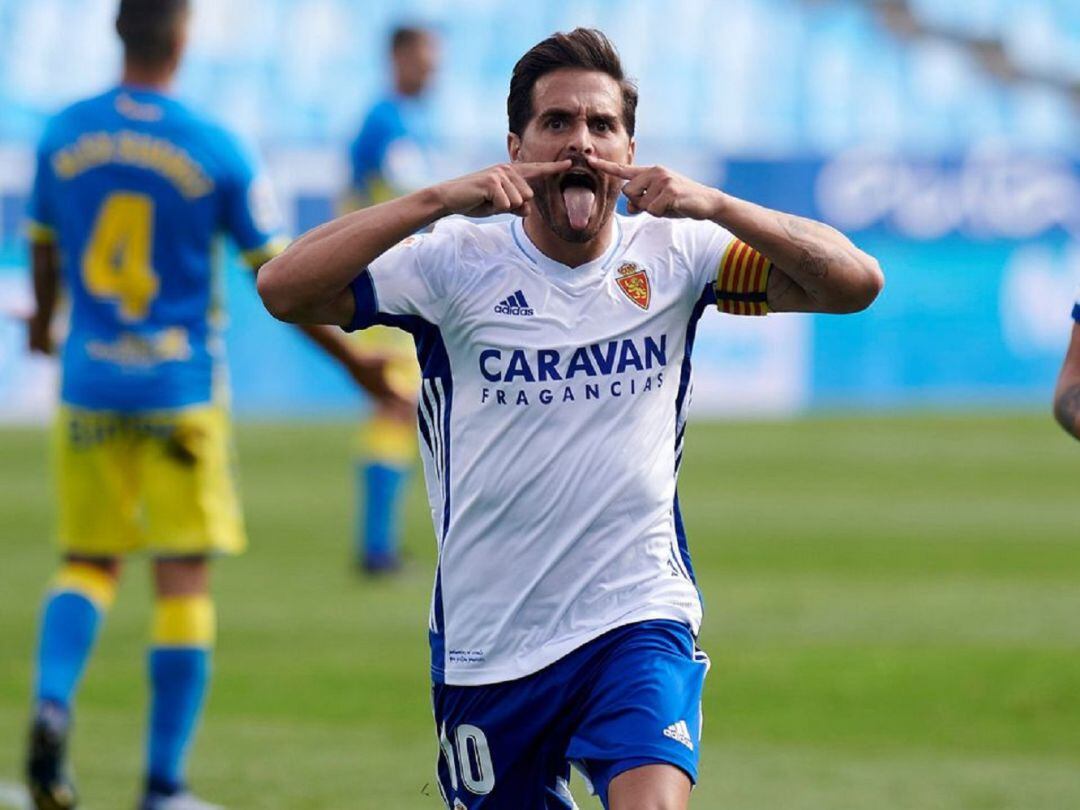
(1067, 393)
(130, 190)
(555, 349)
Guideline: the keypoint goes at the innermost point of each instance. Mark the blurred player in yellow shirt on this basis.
(391, 156)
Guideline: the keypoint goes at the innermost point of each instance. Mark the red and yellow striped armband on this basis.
(742, 281)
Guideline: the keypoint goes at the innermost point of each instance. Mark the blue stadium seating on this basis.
(750, 77)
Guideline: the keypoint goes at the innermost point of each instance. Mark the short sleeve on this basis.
(40, 212)
(704, 243)
(736, 274)
(414, 279)
(249, 211)
(1076, 307)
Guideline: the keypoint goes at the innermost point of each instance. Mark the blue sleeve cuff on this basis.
(1076, 312)
(367, 304)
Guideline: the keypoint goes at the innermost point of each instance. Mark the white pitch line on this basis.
(14, 796)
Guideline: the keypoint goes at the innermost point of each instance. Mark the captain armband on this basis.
(742, 281)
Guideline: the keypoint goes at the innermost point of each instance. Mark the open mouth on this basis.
(578, 189)
(578, 178)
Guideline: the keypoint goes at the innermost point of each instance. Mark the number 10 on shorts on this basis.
(472, 759)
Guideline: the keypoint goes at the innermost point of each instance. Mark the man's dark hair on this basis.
(582, 48)
(406, 35)
(148, 28)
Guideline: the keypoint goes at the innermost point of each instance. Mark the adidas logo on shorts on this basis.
(680, 732)
(514, 305)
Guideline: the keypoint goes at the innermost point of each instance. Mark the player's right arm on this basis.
(367, 369)
(44, 253)
(1067, 393)
(309, 282)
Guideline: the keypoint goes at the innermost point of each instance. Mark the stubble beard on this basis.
(607, 194)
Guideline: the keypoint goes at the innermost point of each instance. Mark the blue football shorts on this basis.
(629, 698)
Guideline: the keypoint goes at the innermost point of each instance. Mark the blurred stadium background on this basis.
(943, 136)
(890, 560)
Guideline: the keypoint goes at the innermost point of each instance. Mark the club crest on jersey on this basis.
(633, 281)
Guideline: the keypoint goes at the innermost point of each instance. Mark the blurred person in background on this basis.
(555, 348)
(130, 191)
(1067, 393)
(391, 156)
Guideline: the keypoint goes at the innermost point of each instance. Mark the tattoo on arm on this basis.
(1067, 409)
(816, 252)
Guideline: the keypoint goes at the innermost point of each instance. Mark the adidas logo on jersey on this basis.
(680, 732)
(514, 305)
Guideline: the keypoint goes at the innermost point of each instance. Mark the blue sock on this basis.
(382, 487)
(69, 627)
(178, 678)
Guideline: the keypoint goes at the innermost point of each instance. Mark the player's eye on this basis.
(601, 126)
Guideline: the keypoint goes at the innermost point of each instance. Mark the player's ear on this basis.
(513, 146)
(630, 149)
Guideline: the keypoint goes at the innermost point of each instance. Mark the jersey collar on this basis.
(559, 273)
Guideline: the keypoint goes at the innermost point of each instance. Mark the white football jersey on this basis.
(551, 422)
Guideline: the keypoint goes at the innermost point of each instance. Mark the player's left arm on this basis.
(1067, 393)
(815, 268)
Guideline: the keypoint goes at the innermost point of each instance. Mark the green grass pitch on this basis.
(892, 612)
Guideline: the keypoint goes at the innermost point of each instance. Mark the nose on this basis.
(580, 139)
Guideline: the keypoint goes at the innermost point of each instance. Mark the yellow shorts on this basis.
(402, 370)
(156, 481)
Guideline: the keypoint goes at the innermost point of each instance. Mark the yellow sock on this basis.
(184, 621)
(89, 581)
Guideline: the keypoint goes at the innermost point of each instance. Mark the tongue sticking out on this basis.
(579, 203)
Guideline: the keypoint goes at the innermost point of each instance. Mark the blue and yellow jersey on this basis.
(134, 188)
(391, 154)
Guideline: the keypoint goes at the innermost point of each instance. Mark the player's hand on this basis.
(662, 192)
(401, 407)
(497, 189)
(39, 334)
(370, 372)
